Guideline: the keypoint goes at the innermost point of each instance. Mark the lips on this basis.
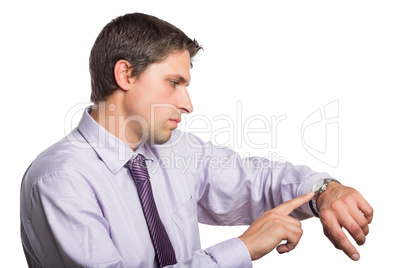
(177, 120)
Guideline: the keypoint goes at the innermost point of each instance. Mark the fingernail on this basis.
(355, 257)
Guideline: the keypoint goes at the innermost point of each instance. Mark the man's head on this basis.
(139, 39)
(140, 66)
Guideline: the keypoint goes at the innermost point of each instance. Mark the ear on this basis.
(122, 74)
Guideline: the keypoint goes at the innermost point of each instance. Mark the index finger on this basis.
(287, 207)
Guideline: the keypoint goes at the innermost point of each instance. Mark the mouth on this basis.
(175, 121)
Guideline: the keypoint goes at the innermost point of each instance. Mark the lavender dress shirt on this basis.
(80, 206)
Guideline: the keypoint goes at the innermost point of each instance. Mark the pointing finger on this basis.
(287, 207)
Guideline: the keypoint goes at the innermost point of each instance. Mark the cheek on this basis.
(154, 105)
(137, 110)
(159, 114)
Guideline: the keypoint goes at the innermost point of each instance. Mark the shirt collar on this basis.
(110, 149)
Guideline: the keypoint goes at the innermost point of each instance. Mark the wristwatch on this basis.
(318, 189)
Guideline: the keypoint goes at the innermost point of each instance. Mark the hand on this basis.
(274, 226)
(342, 206)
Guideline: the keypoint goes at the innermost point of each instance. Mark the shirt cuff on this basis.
(307, 187)
(231, 253)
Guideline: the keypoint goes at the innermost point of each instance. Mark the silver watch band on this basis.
(318, 189)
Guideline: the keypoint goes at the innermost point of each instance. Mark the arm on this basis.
(64, 224)
(232, 191)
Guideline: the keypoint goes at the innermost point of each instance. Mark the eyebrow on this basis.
(180, 78)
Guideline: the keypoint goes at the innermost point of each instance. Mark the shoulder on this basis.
(61, 159)
(60, 170)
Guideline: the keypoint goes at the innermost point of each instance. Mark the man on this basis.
(105, 196)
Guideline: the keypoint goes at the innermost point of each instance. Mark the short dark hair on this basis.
(138, 38)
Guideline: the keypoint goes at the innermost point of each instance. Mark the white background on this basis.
(275, 57)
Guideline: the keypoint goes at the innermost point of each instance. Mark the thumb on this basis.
(282, 248)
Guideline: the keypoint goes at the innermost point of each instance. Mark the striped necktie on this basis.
(160, 239)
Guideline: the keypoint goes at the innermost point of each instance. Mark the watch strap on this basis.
(313, 202)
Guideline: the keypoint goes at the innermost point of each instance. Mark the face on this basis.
(159, 97)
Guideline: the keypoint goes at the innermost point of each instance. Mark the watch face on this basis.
(318, 185)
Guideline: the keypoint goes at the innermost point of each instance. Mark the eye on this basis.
(173, 83)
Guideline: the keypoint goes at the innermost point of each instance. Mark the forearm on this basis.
(245, 188)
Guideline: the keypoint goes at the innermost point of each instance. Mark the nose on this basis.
(184, 102)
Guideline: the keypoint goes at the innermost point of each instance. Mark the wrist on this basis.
(319, 189)
(331, 185)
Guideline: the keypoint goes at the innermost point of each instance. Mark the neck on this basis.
(110, 115)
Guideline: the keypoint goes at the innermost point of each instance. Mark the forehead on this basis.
(176, 64)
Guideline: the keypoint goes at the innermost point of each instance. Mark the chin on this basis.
(160, 137)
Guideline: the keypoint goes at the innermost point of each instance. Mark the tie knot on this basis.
(138, 168)
(138, 160)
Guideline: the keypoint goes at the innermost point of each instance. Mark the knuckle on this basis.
(364, 225)
(275, 222)
(279, 228)
(326, 233)
(282, 228)
(366, 230)
(339, 237)
(351, 199)
(325, 215)
(361, 241)
(352, 191)
(274, 214)
(370, 212)
(355, 230)
(337, 206)
(300, 234)
(265, 215)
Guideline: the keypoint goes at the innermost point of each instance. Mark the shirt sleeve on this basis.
(64, 225)
(233, 191)
(230, 253)
(224, 252)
